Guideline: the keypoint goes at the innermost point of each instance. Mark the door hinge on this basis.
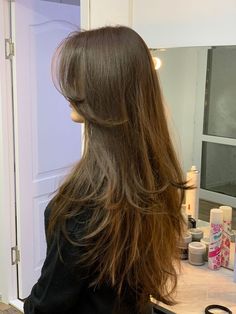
(9, 48)
(15, 255)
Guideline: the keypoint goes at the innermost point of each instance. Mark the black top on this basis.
(62, 290)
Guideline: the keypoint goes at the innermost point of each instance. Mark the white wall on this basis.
(183, 23)
(179, 80)
(96, 13)
(109, 12)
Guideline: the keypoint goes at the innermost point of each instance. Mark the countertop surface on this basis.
(199, 287)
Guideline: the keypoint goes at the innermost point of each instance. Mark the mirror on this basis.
(198, 85)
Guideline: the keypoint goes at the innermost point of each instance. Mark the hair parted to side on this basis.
(129, 176)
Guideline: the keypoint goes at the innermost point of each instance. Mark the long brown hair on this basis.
(129, 176)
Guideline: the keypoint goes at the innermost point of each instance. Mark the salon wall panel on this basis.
(105, 12)
(168, 23)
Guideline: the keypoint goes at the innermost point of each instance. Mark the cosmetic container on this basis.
(191, 195)
(234, 275)
(197, 234)
(196, 253)
(191, 222)
(206, 241)
(183, 245)
(232, 236)
(216, 225)
(226, 235)
(185, 217)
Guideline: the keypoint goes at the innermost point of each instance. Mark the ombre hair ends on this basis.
(128, 178)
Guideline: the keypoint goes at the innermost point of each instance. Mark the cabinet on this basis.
(183, 23)
(167, 23)
(100, 13)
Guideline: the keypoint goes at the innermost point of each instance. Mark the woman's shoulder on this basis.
(75, 222)
(48, 210)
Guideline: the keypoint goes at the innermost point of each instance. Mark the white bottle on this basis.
(192, 195)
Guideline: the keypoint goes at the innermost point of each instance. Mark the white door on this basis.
(47, 143)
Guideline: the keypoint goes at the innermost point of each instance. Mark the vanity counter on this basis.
(199, 287)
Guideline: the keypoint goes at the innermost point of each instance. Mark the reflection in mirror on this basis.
(198, 86)
(220, 95)
(212, 156)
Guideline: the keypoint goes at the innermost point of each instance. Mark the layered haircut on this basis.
(128, 177)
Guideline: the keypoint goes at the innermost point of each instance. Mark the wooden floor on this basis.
(206, 206)
(7, 309)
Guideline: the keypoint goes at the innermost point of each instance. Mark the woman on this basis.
(113, 226)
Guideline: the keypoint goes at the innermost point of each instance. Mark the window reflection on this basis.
(220, 95)
(218, 170)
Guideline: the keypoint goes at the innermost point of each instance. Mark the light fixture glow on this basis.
(157, 62)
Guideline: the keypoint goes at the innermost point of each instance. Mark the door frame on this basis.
(8, 271)
(8, 188)
(8, 200)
